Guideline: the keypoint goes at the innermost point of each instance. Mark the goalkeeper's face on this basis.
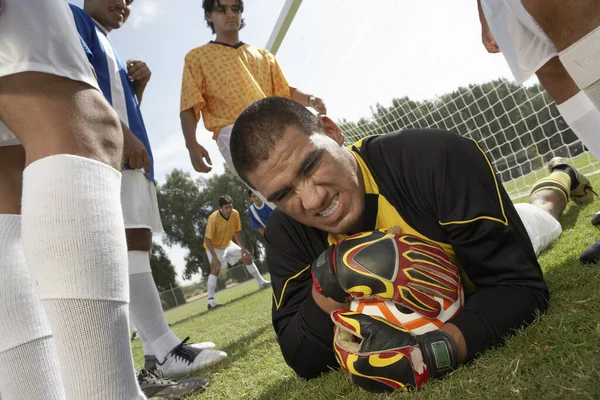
(314, 179)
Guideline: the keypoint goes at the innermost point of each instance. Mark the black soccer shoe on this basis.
(591, 255)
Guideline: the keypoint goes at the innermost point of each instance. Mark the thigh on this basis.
(49, 97)
(233, 254)
(12, 164)
(541, 227)
(55, 115)
(565, 22)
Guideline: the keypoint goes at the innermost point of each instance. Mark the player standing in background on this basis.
(223, 224)
(223, 77)
(123, 86)
(259, 213)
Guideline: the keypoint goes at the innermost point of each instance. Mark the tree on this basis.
(184, 217)
(163, 270)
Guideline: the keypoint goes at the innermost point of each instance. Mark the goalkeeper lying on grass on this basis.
(437, 187)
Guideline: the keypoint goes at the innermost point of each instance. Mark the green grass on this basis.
(558, 357)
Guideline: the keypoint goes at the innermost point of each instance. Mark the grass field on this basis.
(558, 357)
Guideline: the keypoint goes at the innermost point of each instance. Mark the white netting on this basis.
(519, 127)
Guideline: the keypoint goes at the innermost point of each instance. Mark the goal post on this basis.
(288, 12)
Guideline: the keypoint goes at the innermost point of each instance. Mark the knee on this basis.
(556, 80)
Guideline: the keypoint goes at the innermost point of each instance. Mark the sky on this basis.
(351, 53)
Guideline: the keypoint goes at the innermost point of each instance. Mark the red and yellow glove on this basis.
(402, 268)
(380, 356)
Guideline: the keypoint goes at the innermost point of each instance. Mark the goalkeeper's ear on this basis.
(331, 129)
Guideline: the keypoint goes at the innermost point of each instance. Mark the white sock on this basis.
(146, 308)
(74, 241)
(28, 361)
(253, 270)
(211, 286)
(582, 62)
(583, 119)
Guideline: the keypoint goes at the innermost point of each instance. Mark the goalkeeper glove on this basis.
(377, 265)
(380, 356)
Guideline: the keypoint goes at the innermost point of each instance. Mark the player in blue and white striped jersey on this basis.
(123, 86)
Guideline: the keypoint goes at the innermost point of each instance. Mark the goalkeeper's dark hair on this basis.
(224, 200)
(209, 6)
(260, 127)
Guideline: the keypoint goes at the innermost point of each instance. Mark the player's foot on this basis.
(185, 359)
(596, 219)
(213, 306)
(156, 387)
(591, 254)
(150, 360)
(581, 190)
(264, 285)
(134, 335)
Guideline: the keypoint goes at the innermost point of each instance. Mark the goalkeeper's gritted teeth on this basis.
(332, 207)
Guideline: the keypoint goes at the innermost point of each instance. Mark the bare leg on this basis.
(12, 164)
(54, 115)
(551, 201)
(565, 22)
(556, 80)
(71, 190)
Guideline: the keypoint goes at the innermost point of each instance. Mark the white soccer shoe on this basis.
(185, 359)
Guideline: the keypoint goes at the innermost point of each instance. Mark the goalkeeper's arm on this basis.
(304, 330)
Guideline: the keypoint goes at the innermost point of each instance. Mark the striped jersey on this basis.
(112, 76)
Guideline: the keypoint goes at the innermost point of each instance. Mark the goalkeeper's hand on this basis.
(380, 356)
(377, 265)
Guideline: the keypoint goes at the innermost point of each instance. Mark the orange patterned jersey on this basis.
(220, 81)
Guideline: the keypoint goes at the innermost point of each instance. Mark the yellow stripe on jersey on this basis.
(220, 81)
(221, 230)
(278, 302)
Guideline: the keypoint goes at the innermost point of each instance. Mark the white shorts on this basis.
(229, 255)
(541, 227)
(40, 36)
(223, 145)
(139, 202)
(523, 43)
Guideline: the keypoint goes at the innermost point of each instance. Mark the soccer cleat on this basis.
(596, 219)
(213, 306)
(185, 359)
(150, 360)
(581, 190)
(134, 335)
(591, 255)
(154, 386)
(264, 285)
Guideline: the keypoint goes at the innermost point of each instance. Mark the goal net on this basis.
(519, 127)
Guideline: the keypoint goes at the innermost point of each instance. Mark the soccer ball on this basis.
(414, 322)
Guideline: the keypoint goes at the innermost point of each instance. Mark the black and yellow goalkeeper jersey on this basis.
(434, 184)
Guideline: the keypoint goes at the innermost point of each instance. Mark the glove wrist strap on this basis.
(439, 352)
(322, 270)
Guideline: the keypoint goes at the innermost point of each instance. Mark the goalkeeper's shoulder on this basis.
(288, 236)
